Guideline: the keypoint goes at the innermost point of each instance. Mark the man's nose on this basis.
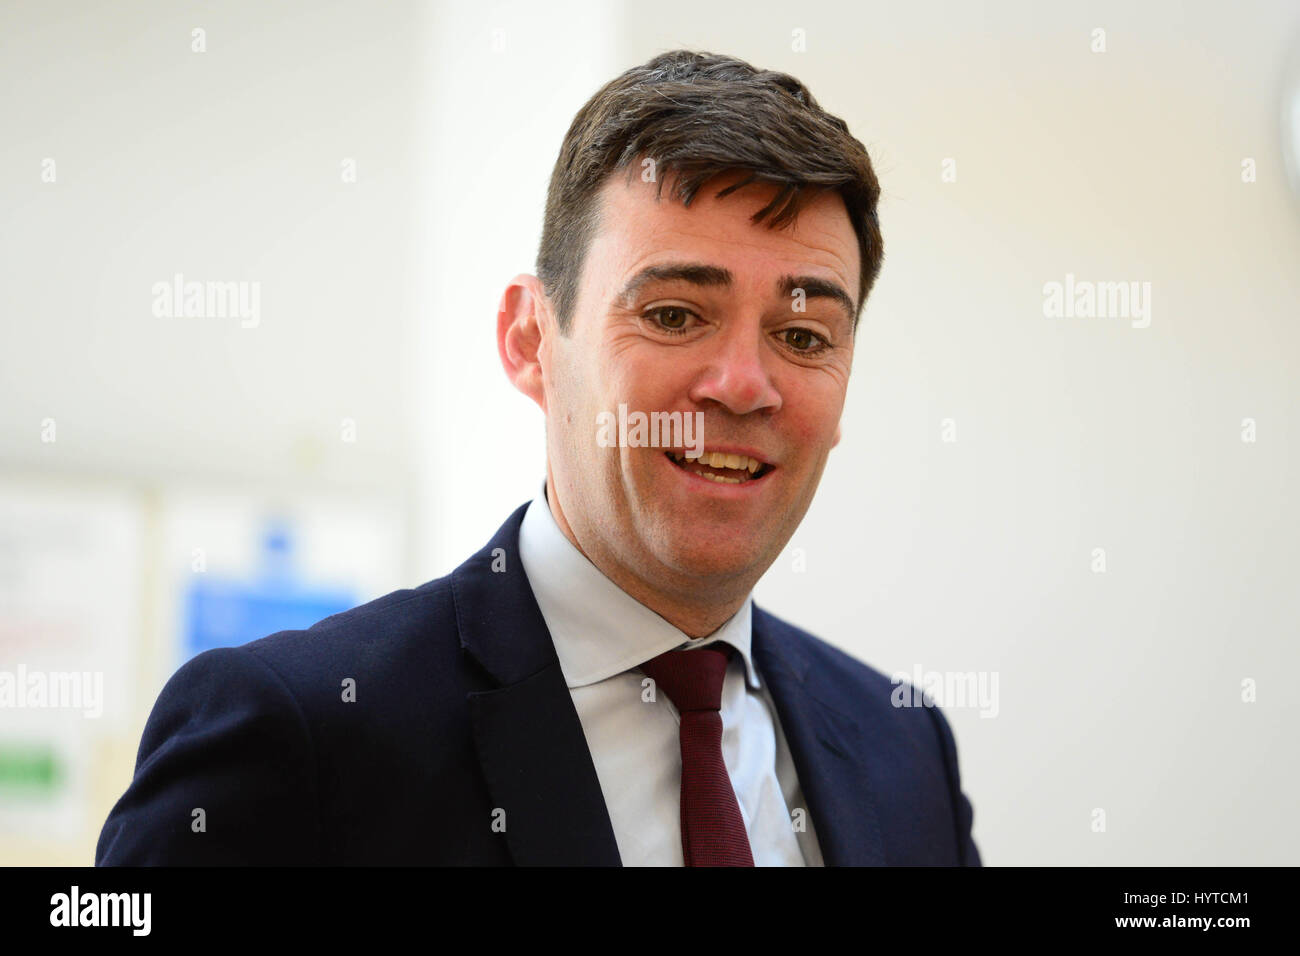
(735, 373)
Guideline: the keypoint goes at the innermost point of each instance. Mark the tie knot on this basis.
(692, 679)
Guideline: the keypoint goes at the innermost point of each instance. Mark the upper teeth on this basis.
(716, 459)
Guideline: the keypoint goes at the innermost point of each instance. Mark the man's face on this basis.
(700, 310)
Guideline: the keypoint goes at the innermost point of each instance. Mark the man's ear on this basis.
(523, 319)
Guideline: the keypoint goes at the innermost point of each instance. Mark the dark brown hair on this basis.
(699, 115)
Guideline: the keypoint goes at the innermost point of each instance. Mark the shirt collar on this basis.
(598, 629)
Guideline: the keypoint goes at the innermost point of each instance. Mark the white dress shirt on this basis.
(601, 636)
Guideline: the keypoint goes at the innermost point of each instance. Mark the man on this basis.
(595, 686)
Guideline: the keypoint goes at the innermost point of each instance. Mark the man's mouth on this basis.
(722, 467)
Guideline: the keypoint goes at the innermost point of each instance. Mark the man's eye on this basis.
(670, 318)
(805, 341)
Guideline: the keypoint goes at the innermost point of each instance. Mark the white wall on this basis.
(223, 165)
(502, 82)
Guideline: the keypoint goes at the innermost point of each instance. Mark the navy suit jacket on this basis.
(460, 712)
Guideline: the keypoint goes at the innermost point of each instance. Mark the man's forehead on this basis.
(636, 229)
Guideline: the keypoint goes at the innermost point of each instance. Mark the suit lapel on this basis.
(534, 754)
(530, 741)
(824, 744)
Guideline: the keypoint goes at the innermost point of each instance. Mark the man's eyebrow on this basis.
(716, 277)
(692, 272)
(815, 288)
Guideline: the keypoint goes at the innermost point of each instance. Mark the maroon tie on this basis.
(713, 833)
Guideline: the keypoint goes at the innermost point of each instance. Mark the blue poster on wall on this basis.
(226, 612)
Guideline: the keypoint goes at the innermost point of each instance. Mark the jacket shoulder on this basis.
(825, 659)
(225, 750)
(903, 732)
(392, 617)
(859, 690)
(379, 641)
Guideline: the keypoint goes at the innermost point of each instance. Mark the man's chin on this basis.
(719, 560)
